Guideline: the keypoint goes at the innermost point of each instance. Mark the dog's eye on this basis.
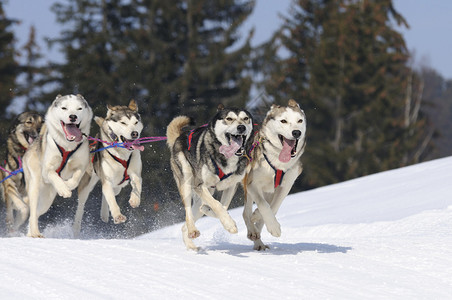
(64, 108)
(123, 123)
(246, 119)
(284, 121)
(300, 121)
(136, 122)
(80, 108)
(229, 119)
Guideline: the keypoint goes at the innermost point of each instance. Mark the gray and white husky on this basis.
(275, 165)
(22, 133)
(115, 167)
(57, 160)
(209, 158)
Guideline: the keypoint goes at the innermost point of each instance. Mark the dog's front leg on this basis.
(73, 182)
(217, 208)
(33, 192)
(59, 184)
(109, 195)
(226, 198)
(135, 195)
(266, 213)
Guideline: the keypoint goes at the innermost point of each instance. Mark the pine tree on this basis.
(8, 65)
(8, 74)
(347, 66)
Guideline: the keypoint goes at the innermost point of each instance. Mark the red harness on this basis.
(279, 174)
(125, 164)
(66, 155)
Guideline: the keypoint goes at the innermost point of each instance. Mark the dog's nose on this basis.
(73, 118)
(134, 134)
(241, 128)
(296, 134)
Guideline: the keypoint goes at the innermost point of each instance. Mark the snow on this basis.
(384, 236)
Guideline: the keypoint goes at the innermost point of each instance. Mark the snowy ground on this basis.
(385, 236)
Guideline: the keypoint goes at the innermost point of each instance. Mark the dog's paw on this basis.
(35, 235)
(134, 201)
(229, 225)
(274, 228)
(64, 191)
(194, 234)
(253, 235)
(71, 184)
(259, 246)
(119, 219)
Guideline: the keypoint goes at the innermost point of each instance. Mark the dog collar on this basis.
(65, 156)
(279, 174)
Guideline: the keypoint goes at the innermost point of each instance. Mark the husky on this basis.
(115, 167)
(57, 160)
(275, 165)
(22, 133)
(211, 157)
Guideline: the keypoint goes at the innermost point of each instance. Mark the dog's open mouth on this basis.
(72, 132)
(289, 149)
(30, 138)
(236, 145)
(131, 144)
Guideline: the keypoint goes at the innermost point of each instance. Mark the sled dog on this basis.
(211, 157)
(275, 165)
(115, 167)
(22, 133)
(56, 161)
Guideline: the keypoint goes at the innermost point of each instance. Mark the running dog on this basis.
(57, 160)
(209, 158)
(275, 165)
(115, 167)
(22, 133)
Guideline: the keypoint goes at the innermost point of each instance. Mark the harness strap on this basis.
(190, 136)
(125, 164)
(65, 157)
(279, 174)
(219, 172)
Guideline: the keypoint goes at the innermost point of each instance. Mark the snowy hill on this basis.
(385, 236)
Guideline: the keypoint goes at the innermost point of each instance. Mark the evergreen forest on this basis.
(368, 107)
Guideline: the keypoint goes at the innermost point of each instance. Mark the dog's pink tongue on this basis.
(231, 149)
(286, 153)
(73, 133)
(137, 147)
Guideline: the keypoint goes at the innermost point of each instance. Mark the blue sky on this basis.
(428, 36)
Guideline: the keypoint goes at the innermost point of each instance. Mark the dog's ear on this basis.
(99, 120)
(58, 96)
(292, 103)
(109, 107)
(220, 107)
(133, 105)
(274, 106)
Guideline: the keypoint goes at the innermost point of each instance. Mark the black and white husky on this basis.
(275, 165)
(209, 158)
(115, 167)
(56, 161)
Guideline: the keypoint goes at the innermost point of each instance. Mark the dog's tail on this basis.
(174, 129)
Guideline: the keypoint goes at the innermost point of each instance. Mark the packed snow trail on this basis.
(384, 236)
